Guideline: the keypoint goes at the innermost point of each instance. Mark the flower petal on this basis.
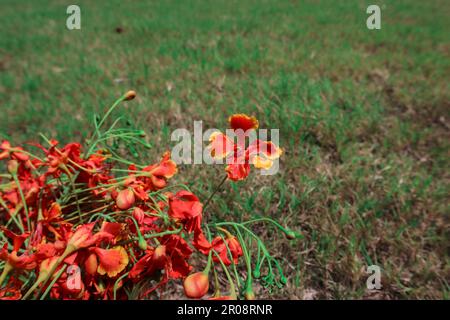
(111, 261)
(243, 121)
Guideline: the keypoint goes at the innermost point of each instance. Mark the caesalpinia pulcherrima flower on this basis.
(118, 223)
(258, 153)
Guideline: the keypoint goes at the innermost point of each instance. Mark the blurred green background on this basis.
(363, 117)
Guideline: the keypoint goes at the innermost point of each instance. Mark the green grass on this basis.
(363, 117)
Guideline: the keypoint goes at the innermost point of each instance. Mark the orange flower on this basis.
(83, 237)
(243, 121)
(239, 168)
(221, 145)
(159, 173)
(111, 261)
(259, 153)
(196, 285)
(15, 153)
(262, 153)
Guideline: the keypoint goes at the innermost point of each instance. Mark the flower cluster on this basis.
(89, 224)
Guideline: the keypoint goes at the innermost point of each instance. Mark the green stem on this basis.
(117, 283)
(97, 131)
(227, 273)
(69, 250)
(16, 180)
(246, 257)
(58, 275)
(6, 270)
(213, 193)
(151, 235)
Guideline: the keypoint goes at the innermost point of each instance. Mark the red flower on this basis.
(259, 153)
(58, 158)
(172, 256)
(239, 169)
(15, 153)
(154, 259)
(24, 261)
(83, 237)
(138, 215)
(234, 248)
(179, 252)
(159, 173)
(186, 208)
(243, 122)
(221, 145)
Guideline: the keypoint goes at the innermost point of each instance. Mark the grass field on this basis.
(363, 117)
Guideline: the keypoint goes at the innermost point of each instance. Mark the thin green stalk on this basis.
(58, 275)
(25, 207)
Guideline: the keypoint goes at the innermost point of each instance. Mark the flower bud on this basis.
(91, 264)
(142, 243)
(159, 256)
(138, 215)
(13, 165)
(291, 235)
(196, 285)
(160, 253)
(125, 199)
(130, 95)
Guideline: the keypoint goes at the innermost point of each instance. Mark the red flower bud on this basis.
(196, 285)
(130, 95)
(125, 199)
(91, 264)
(138, 215)
(13, 165)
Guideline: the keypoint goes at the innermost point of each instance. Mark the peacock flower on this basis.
(243, 122)
(16, 153)
(227, 247)
(260, 154)
(111, 261)
(186, 208)
(221, 146)
(83, 236)
(159, 173)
